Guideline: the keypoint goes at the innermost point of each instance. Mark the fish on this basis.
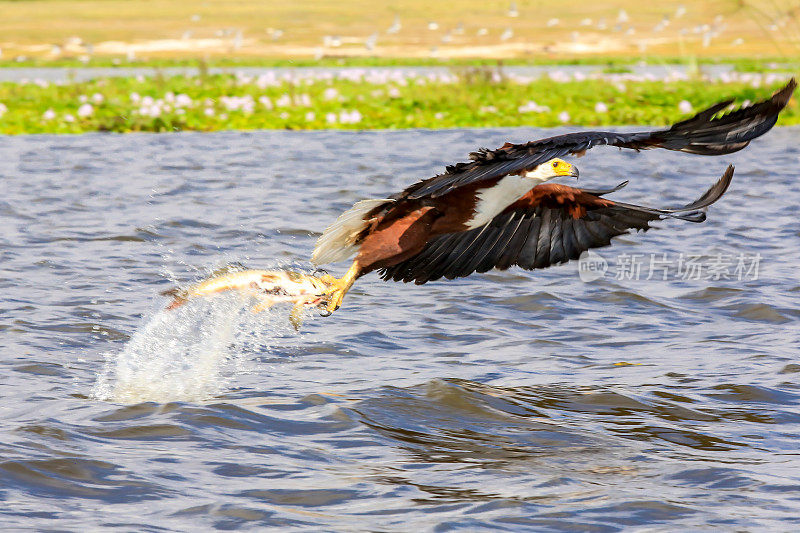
(270, 287)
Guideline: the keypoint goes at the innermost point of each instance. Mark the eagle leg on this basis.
(339, 287)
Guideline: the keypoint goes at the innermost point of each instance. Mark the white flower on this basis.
(310, 116)
(350, 117)
(135, 98)
(48, 115)
(3, 109)
(488, 109)
(284, 101)
(150, 110)
(533, 107)
(563, 117)
(98, 98)
(685, 106)
(234, 103)
(330, 118)
(147, 100)
(209, 111)
(86, 110)
(438, 116)
(83, 98)
(266, 102)
(69, 118)
(394, 92)
(183, 100)
(600, 107)
(330, 93)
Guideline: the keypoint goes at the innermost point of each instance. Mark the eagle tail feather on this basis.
(339, 241)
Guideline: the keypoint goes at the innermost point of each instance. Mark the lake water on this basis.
(505, 401)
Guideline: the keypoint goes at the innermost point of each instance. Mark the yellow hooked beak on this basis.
(562, 168)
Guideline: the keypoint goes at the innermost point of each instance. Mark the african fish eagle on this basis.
(497, 210)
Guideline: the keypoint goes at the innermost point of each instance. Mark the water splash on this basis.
(189, 354)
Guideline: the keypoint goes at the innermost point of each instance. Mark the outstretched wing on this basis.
(550, 225)
(702, 134)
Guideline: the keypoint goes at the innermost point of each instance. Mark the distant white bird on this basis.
(277, 34)
(512, 10)
(195, 18)
(601, 24)
(459, 30)
(586, 22)
(395, 27)
(623, 17)
(433, 26)
(483, 31)
(681, 11)
(371, 41)
(553, 22)
(186, 35)
(506, 35)
(447, 38)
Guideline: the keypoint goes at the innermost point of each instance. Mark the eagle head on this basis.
(552, 169)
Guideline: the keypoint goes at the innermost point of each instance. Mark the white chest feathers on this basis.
(492, 200)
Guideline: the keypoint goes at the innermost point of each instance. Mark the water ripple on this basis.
(504, 401)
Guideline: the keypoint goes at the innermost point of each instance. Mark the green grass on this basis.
(476, 103)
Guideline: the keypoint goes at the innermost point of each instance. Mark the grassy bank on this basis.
(472, 99)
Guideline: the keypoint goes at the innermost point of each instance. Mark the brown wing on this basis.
(706, 133)
(550, 225)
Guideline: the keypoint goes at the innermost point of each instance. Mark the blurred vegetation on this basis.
(223, 102)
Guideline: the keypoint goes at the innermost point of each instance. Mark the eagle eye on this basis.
(555, 164)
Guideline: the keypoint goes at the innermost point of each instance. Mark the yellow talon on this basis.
(339, 287)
